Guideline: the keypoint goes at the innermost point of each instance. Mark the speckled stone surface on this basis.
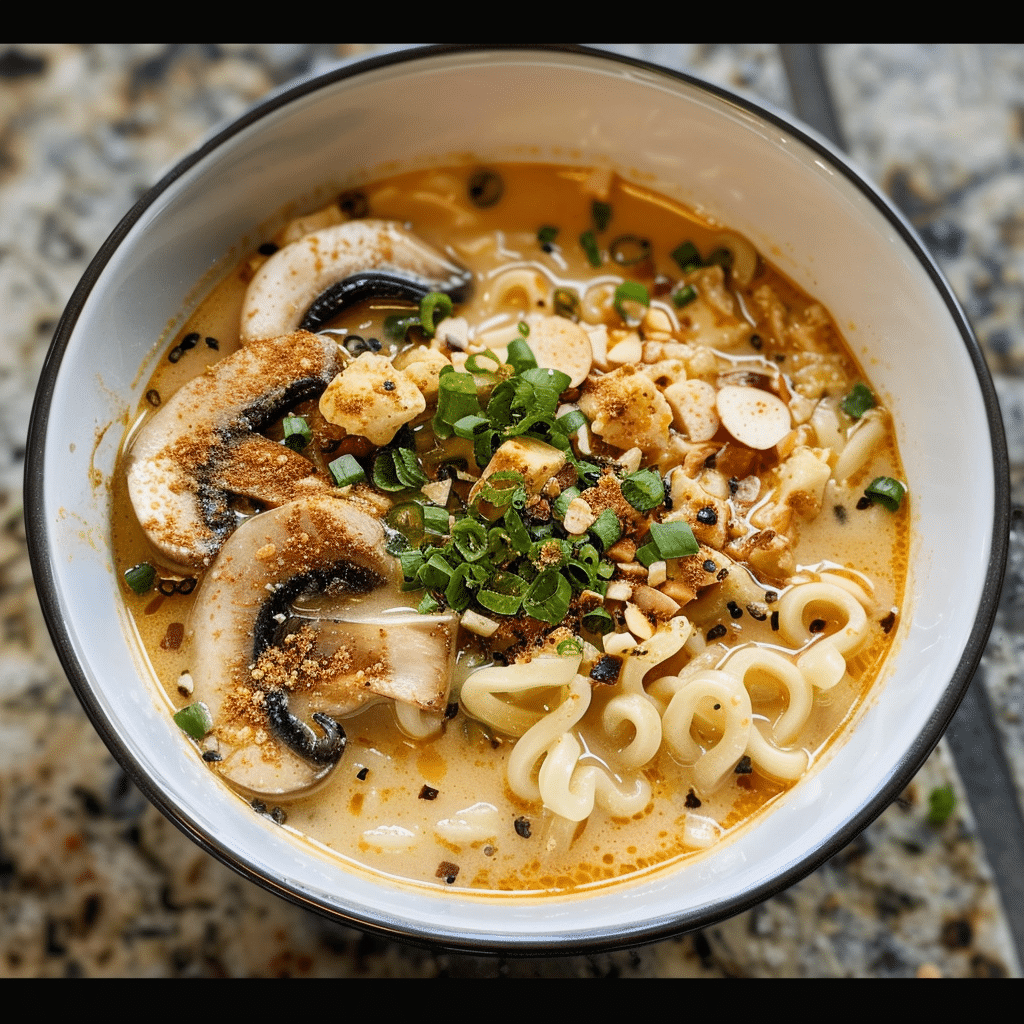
(95, 882)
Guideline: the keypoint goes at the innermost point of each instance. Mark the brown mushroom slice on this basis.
(202, 447)
(301, 619)
(308, 282)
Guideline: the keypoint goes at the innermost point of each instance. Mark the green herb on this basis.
(435, 520)
(548, 597)
(721, 258)
(546, 235)
(648, 554)
(432, 304)
(687, 256)
(456, 397)
(569, 648)
(644, 490)
(590, 247)
(684, 296)
(598, 621)
(674, 540)
(524, 328)
(567, 302)
(606, 529)
(886, 491)
(397, 469)
(602, 214)
(397, 325)
(520, 355)
(428, 605)
(195, 720)
(941, 802)
(632, 292)
(346, 470)
(858, 401)
(629, 250)
(141, 578)
(296, 433)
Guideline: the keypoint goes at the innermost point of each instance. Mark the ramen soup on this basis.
(511, 529)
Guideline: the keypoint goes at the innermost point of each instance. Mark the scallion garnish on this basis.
(397, 325)
(549, 597)
(428, 605)
(432, 304)
(195, 720)
(571, 421)
(435, 521)
(687, 256)
(296, 433)
(397, 469)
(598, 621)
(566, 303)
(456, 397)
(607, 529)
(569, 648)
(886, 491)
(644, 490)
(141, 578)
(674, 540)
(684, 296)
(520, 355)
(546, 236)
(858, 401)
(590, 247)
(633, 293)
(346, 470)
(628, 250)
(602, 214)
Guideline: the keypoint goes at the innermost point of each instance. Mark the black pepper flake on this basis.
(779, 357)
(711, 461)
(734, 485)
(279, 815)
(189, 341)
(175, 354)
(451, 709)
(267, 249)
(354, 204)
(722, 573)
(735, 610)
(448, 871)
(840, 513)
(522, 827)
(606, 669)
(775, 621)
(817, 626)
(863, 503)
(258, 806)
(212, 343)
(756, 342)
(153, 397)
(718, 707)
(743, 766)
(692, 801)
(389, 385)
(428, 793)
(716, 632)
(770, 597)
(709, 566)
(707, 515)
(211, 755)
(362, 773)
(888, 622)
(756, 611)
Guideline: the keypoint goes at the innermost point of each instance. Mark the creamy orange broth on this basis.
(381, 806)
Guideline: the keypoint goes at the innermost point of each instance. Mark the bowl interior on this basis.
(813, 217)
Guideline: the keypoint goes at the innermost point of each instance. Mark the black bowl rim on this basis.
(568, 941)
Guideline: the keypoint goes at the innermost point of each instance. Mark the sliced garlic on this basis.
(756, 418)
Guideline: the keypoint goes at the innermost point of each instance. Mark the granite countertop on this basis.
(95, 882)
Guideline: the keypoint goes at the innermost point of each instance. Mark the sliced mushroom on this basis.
(202, 446)
(754, 417)
(309, 282)
(302, 618)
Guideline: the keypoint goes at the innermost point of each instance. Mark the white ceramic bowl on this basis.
(789, 192)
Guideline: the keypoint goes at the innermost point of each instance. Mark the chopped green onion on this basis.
(296, 433)
(561, 505)
(397, 325)
(598, 621)
(407, 519)
(346, 470)
(644, 490)
(520, 355)
(606, 529)
(858, 401)
(486, 187)
(602, 214)
(631, 292)
(141, 578)
(428, 605)
(628, 250)
(648, 555)
(684, 296)
(503, 593)
(674, 540)
(721, 257)
(570, 648)
(524, 328)
(886, 491)
(456, 397)
(195, 720)
(430, 305)
(517, 533)
(397, 469)
(470, 539)
(548, 597)
(473, 362)
(547, 235)
(571, 421)
(687, 256)
(567, 303)
(941, 802)
(435, 520)
(590, 247)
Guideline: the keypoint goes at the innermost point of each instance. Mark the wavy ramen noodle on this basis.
(511, 529)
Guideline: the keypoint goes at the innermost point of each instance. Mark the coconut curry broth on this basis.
(441, 810)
